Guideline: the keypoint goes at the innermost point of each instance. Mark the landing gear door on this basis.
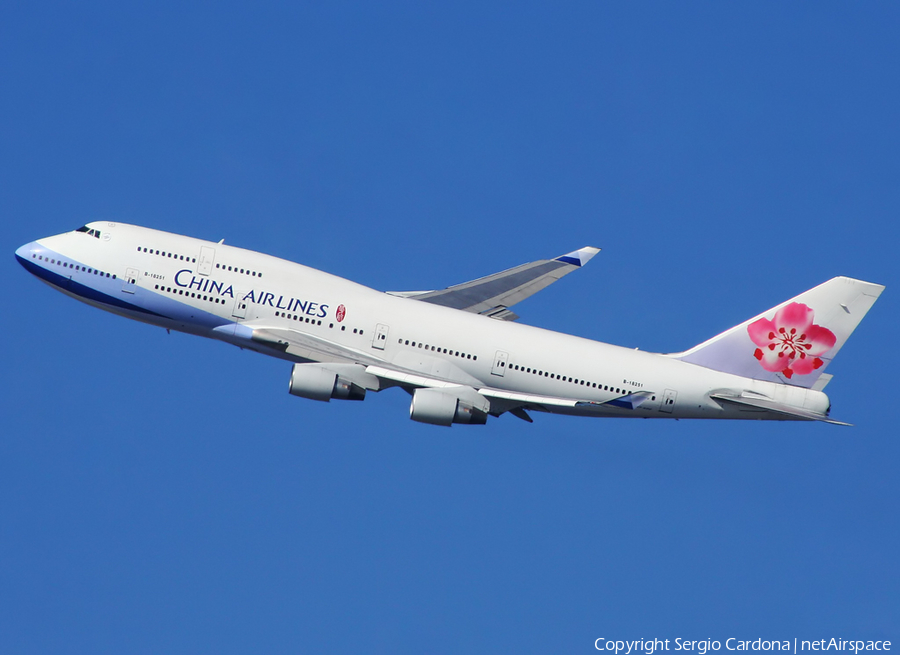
(381, 335)
(205, 263)
(500, 360)
(130, 281)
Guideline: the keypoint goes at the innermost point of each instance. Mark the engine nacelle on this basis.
(439, 407)
(319, 383)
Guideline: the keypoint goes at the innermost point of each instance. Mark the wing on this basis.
(382, 374)
(494, 294)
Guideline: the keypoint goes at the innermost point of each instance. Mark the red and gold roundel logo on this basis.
(340, 313)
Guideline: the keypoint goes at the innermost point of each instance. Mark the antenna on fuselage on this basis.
(221, 241)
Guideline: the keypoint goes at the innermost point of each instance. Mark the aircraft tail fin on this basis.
(794, 342)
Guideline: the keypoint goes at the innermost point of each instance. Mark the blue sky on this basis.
(164, 493)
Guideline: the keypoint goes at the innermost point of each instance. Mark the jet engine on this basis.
(444, 407)
(320, 383)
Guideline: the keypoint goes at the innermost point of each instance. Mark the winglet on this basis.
(579, 257)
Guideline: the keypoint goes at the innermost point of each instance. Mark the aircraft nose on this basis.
(25, 253)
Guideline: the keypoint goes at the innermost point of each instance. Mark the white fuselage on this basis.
(223, 292)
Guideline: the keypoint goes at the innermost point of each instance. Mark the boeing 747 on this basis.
(457, 351)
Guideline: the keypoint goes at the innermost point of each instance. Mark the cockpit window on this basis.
(83, 228)
(91, 232)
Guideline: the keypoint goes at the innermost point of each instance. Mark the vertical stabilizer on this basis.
(794, 342)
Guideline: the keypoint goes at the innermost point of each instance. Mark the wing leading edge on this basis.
(493, 295)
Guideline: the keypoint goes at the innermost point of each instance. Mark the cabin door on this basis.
(240, 307)
(205, 263)
(381, 335)
(668, 402)
(500, 360)
(130, 281)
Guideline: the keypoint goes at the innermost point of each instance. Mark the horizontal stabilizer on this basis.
(493, 294)
(772, 406)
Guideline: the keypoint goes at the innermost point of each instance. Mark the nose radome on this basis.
(26, 251)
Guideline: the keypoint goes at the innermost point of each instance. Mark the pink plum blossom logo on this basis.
(790, 343)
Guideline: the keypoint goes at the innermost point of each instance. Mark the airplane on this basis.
(457, 351)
